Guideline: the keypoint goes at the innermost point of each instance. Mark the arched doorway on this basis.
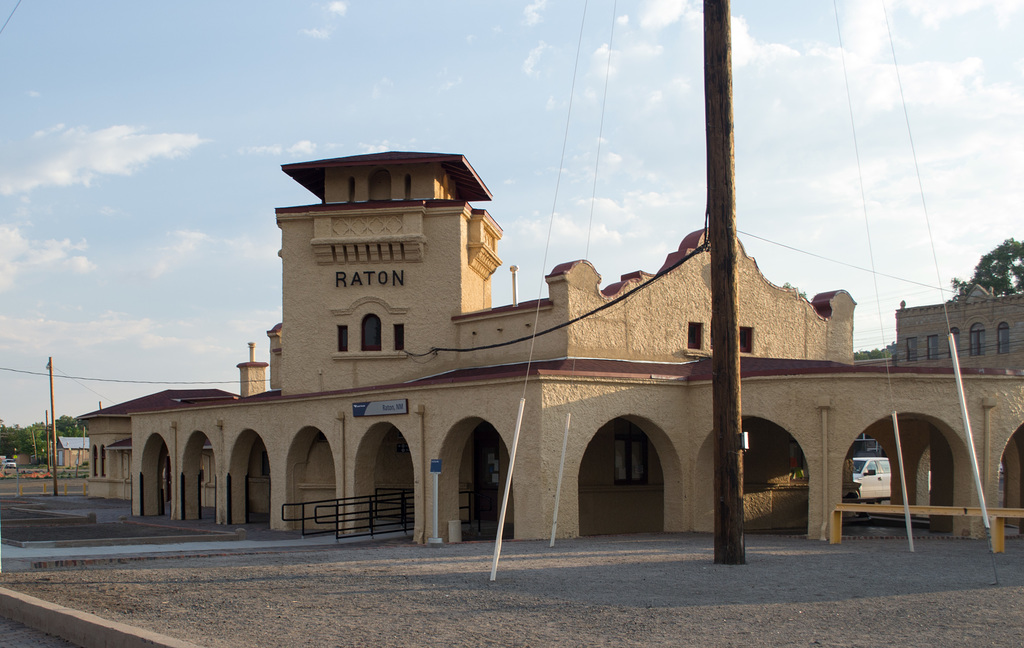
(775, 479)
(621, 485)
(312, 476)
(197, 482)
(154, 488)
(248, 481)
(1011, 468)
(383, 461)
(473, 490)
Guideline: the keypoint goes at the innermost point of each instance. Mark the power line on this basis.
(10, 16)
(117, 380)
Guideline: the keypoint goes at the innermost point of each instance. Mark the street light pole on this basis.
(53, 424)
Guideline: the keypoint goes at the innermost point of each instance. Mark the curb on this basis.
(80, 628)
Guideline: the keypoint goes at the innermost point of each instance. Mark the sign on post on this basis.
(435, 466)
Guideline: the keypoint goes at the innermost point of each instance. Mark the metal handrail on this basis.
(473, 506)
(388, 509)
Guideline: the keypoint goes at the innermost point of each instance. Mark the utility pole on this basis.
(53, 424)
(725, 355)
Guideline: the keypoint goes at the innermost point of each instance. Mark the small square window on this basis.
(342, 337)
(694, 335)
(399, 337)
(746, 339)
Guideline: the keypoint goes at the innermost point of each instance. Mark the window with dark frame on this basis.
(630, 454)
(746, 339)
(933, 347)
(399, 337)
(342, 337)
(694, 335)
(1003, 338)
(977, 340)
(911, 349)
(371, 333)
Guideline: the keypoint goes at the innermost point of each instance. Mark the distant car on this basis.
(874, 476)
(10, 464)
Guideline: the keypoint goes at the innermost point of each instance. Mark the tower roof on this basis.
(468, 185)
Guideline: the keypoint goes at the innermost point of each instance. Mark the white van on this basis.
(874, 476)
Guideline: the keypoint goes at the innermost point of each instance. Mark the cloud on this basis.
(302, 147)
(746, 49)
(533, 10)
(532, 59)
(381, 86)
(19, 254)
(184, 245)
(934, 12)
(658, 14)
(62, 156)
(319, 33)
(337, 8)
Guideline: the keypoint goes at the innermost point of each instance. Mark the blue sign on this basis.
(435, 466)
(381, 408)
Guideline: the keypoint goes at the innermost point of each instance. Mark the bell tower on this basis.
(391, 253)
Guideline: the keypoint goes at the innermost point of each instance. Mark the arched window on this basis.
(1003, 338)
(351, 189)
(380, 185)
(95, 461)
(103, 461)
(408, 187)
(977, 340)
(371, 333)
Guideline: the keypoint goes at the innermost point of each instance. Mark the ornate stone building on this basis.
(390, 356)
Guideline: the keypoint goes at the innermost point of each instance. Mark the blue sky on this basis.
(141, 144)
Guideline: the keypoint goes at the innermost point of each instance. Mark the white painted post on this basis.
(508, 488)
(435, 470)
(558, 488)
(903, 481)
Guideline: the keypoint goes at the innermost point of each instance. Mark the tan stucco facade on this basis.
(416, 333)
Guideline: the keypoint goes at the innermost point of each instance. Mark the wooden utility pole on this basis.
(725, 333)
(53, 424)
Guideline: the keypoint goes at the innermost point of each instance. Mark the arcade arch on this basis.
(311, 464)
(621, 482)
(474, 490)
(248, 484)
(197, 481)
(154, 489)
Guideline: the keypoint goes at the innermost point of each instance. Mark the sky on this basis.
(141, 144)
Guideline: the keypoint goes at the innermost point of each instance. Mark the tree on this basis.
(875, 354)
(1001, 271)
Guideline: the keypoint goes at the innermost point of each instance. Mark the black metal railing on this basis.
(476, 502)
(387, 510)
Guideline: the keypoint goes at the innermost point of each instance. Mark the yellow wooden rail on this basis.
(998, 515)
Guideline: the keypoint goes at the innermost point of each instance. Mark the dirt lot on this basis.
(607, 591)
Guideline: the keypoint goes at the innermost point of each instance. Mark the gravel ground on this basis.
(645, 590)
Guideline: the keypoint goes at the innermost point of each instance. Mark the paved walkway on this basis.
(16, 635)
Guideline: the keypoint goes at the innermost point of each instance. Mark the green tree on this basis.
(875, 354)
(1001, 271)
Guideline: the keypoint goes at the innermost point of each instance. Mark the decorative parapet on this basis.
(482, 245)
(368, 238)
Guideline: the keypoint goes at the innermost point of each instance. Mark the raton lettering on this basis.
(369, 278)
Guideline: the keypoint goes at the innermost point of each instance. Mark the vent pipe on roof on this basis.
(515, 300)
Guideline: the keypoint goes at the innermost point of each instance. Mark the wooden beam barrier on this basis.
(998, 515)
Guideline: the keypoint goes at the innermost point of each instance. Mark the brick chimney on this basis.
(253, 378)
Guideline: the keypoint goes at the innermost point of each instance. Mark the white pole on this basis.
(903, 481)
(508, 488)
(558, 488)
(435, 506)
(970, 447)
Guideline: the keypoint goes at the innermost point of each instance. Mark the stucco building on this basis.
(390, 355)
